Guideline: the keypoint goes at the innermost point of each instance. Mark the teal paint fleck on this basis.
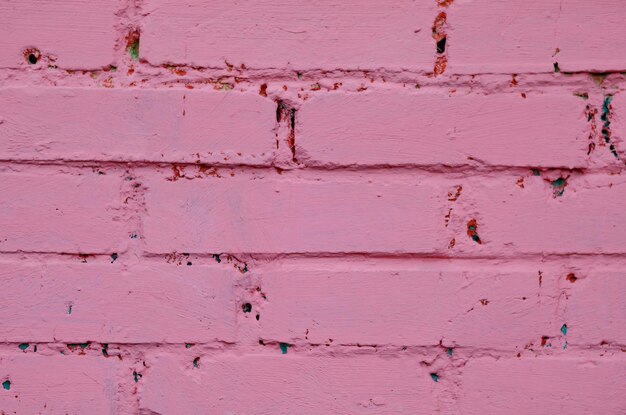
(196, 361)
(84, 345)
(606, 126)
(449, 351)
(558, 187)
(69, 310)
(535, 172)
(475, 238)
(217, 258)
(6, 384)
(23, 346)
(136, 376)
(284, 347)
(188, 345)
(564, 329)
(434, 377)
(113, 257)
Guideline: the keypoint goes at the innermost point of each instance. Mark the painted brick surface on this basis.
(283, 207)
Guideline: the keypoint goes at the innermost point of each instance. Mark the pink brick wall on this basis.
(312, 207)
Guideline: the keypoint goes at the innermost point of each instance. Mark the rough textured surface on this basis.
(324, 207)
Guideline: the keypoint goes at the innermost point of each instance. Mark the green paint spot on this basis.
(23, 346)
(84, 345)
(136, 376)
(6, 384)
(188, 345)
(434, 377)
(196, 361)
(449, 351)
(133, 49)
(71, 346)
(475, 238)
(535, 172)
(564, 329)
(105, 350)
(284, 347)
(69, 310)
(217, 258)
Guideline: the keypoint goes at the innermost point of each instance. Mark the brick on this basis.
(58, 385)
(530, 36)
(242, 215)
(320, 385)
(149, 125)
(576, 386)
(400, 127)
(60, 212)
(77, 34)
(469, 306)
(110, 304)
(586, 218)
(315, 35)
(461, 305)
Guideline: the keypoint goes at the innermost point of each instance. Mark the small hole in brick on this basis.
(32, 58)
(247, 307)
(258, 316)
(441, 45)
(571, 277)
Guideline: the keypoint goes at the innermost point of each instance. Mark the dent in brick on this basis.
(231, 259)
(263, 90)
(591, 113)
(472, 231)
(439, 34)
(32, 55)
(452, 197)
